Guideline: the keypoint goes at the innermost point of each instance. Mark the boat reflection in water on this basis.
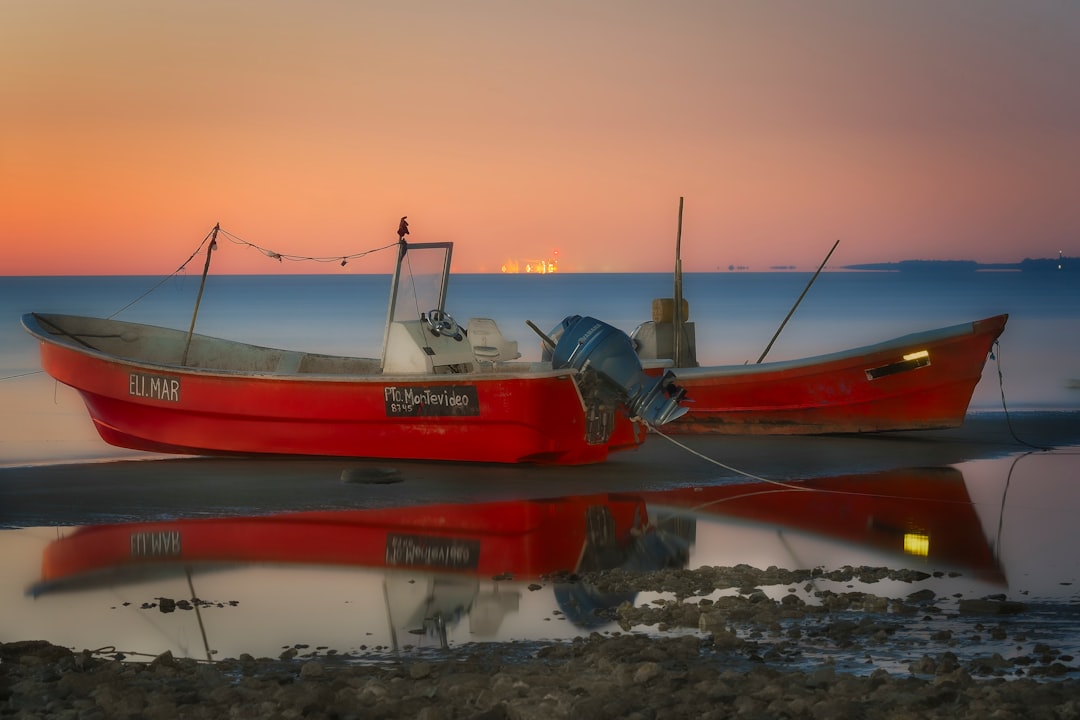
(503, 570)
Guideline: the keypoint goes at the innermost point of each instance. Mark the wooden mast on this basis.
(202, 284)
(678, 315)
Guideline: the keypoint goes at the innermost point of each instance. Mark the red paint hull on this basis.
(870, 389)
(536, 417)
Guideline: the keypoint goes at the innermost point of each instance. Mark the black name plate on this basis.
(434, 401)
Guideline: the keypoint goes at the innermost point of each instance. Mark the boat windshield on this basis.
(420, 280)
(419, 283)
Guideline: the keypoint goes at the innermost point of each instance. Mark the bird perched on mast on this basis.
(402, 228)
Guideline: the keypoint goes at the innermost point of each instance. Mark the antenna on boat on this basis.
(792, 310)
(202, 284)
(679, 319)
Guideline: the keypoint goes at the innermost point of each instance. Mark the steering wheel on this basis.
(442, 324)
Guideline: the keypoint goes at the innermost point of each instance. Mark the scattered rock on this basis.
(693, 652)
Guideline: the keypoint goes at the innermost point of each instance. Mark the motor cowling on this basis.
(592, 346)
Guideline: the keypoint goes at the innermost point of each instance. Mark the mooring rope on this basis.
(996, 354)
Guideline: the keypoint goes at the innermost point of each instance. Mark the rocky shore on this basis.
(689, 654)
(599, 677)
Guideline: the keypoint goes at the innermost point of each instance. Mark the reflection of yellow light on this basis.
(917, 355)
(917, 544)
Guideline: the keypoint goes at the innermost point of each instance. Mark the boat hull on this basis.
(534, 417)
(918, 382)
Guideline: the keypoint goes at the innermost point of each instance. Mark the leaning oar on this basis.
(792, 311)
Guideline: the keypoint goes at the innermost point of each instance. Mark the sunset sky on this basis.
(914, 129)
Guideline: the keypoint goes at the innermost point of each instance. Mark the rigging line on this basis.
(237, 240)
(167, 277)
(1001, 388)
(240, 241)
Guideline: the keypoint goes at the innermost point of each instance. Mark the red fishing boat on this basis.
(439, 391)
(920, 381)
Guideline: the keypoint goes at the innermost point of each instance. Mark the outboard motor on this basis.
(591, 346)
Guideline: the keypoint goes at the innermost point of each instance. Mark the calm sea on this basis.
(999, 525)
(735, 314)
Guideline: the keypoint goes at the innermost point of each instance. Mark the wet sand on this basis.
(106, 488)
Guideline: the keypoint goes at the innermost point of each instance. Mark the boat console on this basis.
(413, 347)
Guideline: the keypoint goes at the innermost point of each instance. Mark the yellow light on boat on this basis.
(917, 544)
(917, 355)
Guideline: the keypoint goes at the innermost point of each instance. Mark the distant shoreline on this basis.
(1060, 264)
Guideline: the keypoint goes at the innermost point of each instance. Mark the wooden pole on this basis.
(198, 299)
(679, 319)
(792, 310)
